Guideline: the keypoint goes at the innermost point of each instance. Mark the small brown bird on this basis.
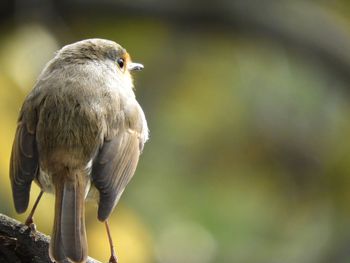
(79, 130)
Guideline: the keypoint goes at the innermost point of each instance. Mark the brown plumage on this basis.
(79, 129)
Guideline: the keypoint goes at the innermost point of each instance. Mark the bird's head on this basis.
(100, 50)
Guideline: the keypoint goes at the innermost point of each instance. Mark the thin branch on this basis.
(19, 244)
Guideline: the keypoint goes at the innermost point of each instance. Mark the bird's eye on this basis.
(120, 62)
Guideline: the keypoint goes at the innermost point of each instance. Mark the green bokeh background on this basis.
(248, 159)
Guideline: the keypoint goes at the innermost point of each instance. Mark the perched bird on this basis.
(80, 133)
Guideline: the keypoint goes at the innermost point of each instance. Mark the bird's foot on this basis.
(32, 227)
(113, 259)
(30, 224)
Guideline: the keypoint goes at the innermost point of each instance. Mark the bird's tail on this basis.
(68, 239)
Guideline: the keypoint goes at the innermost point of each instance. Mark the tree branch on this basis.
(19, 244)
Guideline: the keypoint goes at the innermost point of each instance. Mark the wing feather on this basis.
(23, 165)
(113, 168)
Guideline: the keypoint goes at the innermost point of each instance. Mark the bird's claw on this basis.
(113, 259)
(32, 227)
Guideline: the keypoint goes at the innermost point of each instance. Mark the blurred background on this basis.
(248, 105)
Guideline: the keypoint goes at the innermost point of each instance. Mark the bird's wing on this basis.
(113, 168)
(23, 164)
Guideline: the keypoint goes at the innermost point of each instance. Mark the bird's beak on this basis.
(135, 66)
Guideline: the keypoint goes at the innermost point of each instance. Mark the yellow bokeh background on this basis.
(248, 108)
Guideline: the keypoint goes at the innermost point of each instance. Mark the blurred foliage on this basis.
(248, 159)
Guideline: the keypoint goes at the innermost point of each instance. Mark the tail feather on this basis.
(69, 235)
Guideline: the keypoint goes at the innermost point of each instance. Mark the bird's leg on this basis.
(30, 222)
(113, 258)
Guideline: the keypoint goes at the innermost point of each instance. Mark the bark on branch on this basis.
(19, 244)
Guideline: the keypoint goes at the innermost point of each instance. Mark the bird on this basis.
(79, 135)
